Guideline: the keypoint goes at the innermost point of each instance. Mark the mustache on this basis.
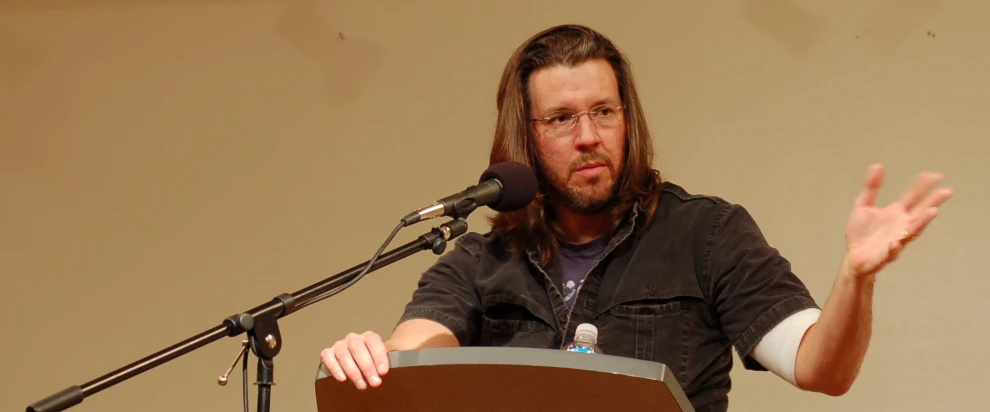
(586, 158)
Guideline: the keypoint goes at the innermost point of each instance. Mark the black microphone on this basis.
(504, 187)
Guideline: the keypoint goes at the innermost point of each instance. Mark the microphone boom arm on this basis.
(260, 324)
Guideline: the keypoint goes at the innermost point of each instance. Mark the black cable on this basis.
(364, 271)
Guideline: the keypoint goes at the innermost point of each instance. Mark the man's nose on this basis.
(586, 131)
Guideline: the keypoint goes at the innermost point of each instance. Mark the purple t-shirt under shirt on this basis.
(576, 260)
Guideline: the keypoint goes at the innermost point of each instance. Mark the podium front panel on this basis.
(483, 379)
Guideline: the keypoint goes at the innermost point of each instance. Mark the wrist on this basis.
(849, 274)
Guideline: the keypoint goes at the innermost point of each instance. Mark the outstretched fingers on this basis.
(874, 179)
(926, 213)
(937, 198)
(920, 187)
(921, 222)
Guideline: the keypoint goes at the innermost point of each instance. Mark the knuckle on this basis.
(355, 343)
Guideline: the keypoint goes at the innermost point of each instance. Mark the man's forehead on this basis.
(575, 88)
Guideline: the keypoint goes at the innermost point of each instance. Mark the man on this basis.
(665, 275)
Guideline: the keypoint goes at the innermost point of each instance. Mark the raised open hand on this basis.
(875, 236)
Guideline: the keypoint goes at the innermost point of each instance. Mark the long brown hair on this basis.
(567, 45)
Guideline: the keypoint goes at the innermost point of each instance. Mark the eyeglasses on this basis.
(565, 120)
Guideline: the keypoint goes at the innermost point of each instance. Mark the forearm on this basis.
(420, 334)
(832, 351)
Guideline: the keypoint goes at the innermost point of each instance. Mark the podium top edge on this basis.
(551, 358)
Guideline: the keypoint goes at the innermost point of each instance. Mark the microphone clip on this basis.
(438, 237)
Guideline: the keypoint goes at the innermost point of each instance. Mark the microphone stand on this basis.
(260, 324)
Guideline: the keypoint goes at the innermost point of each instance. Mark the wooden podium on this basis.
(483, 379)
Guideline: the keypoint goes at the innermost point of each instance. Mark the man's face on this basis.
(582, 165)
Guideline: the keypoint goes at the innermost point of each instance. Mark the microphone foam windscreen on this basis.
(519, 185)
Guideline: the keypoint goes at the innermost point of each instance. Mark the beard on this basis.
(595, 197)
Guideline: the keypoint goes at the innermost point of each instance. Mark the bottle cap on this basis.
(587, 328)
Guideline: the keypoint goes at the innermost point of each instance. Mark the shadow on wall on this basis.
(349, 64)
(886, 30)
(41, 5)
(19, 60)
(785, 22)
(796, 29)
(22, 146)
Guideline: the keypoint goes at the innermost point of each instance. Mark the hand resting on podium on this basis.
(363, 358)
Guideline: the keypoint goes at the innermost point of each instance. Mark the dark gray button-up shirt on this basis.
(700, 280)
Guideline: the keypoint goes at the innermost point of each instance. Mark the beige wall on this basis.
(164, 164)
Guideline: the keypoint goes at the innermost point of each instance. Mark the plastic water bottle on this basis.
(585, 340)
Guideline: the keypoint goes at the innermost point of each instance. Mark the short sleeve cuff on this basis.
(455, 327)
(762, 325)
